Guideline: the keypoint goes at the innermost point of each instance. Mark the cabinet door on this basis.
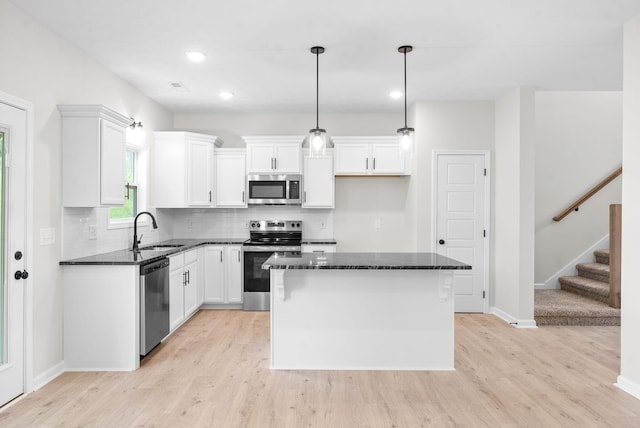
(191, 288)
(230, 181)
(260, 158)
(233, 267)
(319, 182)
(287, 158)
(214, 274)
(200, 174)
(112, 138)
(352, 159)
(387, 159)
(176, 298)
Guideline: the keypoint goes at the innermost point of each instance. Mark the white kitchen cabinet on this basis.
(183, 287)
(369, 156)
(318, 248)
(274, 155)
(223, 274)
(184, 169)
(93, 146)
(318, 181)
(231, 180)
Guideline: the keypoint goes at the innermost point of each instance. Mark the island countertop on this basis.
(388, 261)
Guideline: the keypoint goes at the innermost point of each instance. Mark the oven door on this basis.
(257, 282)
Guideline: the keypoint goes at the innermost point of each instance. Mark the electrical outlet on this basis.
(47, 236)
(376, 223)
(93, 231)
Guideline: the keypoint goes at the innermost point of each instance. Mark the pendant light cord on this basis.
(317, 89)
(405, 88)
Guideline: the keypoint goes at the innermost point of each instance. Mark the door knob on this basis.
(21, 275)
(441, 242)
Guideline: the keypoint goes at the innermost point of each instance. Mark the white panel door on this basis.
(214, 274)
(260, 158)
(352, 159)
(287, 158)
(460, 224)
(13, 189)
(191, 288)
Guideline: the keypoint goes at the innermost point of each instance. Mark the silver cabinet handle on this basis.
(367, 167)
(238, 256)
(243, 196)
(275, 163)
(220, 256)
(374, 164)
(184, 279)
(210, 196)
(305, 197)
(318, 251)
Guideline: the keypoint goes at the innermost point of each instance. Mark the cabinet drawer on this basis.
(190, 256)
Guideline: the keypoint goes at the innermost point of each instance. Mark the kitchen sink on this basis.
(161, 247)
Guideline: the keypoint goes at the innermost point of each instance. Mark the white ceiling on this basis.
(259, 49)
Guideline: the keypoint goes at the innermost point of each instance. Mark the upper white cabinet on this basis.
(231, 181)
(93, 145)
(369, 156)
(184, 169)
(318, 181)
(274, 155)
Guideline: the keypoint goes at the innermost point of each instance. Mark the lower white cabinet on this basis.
(318, 248)
(183, 287)
(223, 274)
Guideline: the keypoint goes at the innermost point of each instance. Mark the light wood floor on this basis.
(215, 372)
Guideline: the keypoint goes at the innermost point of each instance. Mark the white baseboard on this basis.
(570, 269)
(47, 376)
(517, 323)
(628, 386)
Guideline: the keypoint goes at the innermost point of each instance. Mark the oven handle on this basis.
(269, 249)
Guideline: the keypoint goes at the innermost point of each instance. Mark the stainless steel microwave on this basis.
(274, 189)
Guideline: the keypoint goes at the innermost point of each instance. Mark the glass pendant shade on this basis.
(405, 141)
(317, 142)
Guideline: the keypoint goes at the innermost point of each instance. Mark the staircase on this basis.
(581, 299)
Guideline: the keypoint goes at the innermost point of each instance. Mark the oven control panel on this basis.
(275, 225)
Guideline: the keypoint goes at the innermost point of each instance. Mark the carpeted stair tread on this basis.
(597, 271)
(560, 307)
(602, 256)
(585, 287)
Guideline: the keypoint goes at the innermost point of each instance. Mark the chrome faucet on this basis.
(135, 229)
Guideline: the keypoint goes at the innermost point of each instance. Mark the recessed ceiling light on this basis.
(196, 56)
(226, 95)
(395, 94)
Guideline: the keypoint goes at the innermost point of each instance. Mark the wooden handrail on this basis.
(574, 206)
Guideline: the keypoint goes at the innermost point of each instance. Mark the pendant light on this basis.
(405, 134)
(317, 138)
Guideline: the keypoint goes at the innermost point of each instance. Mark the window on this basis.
(126, 214)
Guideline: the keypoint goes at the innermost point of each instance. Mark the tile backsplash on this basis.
(181, 223)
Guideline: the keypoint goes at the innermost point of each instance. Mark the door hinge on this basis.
(484, 294)
(485, 172)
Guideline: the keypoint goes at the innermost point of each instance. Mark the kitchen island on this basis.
(362, 311)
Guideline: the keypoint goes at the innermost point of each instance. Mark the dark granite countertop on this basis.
(128, 257)
(319, 241)
(389, 261)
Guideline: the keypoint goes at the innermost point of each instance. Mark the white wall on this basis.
(40, 67)
(578, 143)
(629, 378)
(514, 206)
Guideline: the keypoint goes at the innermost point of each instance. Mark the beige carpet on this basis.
(559, 307)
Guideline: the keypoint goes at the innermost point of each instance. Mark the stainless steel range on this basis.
(265, 238)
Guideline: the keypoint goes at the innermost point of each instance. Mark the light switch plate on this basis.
(47, 236)
(93, 231)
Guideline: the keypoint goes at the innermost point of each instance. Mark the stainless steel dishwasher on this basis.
(154, 304)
